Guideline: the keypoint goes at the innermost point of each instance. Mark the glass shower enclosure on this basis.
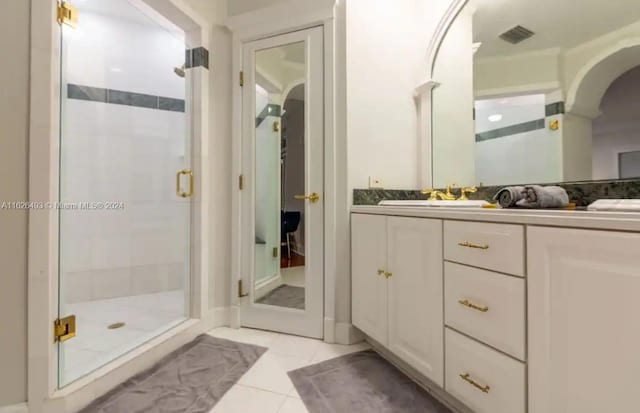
(125, 182)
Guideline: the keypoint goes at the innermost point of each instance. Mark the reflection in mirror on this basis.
(280, 176)
(530, 92)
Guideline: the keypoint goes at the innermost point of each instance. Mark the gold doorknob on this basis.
(313, 197)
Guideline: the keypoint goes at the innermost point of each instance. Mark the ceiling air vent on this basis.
(516, 35)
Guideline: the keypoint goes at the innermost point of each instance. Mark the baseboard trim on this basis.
(329, 330)
(430, 387)
(15, 408)
(266, 286)
(218, 317)
(234, 316)
(347, 333)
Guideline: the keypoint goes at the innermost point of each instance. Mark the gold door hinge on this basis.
(240, 293)
(241, 182)
(64, 328)
(275, 252)
(67, 14)
(241, 78)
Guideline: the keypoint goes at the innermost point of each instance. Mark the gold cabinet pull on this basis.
(380, 272)
(313, 197)
(471, 245)
(467, 377)
(467, 303)
(189, 173)
(388, 274)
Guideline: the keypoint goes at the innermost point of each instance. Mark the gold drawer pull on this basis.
(388, 274)
(467, 377)
(380, 272)
(470, 245)
(467, 303)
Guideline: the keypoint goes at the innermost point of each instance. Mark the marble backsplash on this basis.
(582, 193)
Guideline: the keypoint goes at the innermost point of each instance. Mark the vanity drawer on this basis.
(484, 379)
(498, 247)
(487, 306)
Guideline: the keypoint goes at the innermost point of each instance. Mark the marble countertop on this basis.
(618, 221)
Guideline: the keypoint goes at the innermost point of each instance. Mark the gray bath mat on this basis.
(191, 379)
(361, 382)
(285, 296)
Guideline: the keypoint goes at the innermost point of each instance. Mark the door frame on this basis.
(43, 394)
(264, 23)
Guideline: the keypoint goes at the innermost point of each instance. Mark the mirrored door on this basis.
(283, 109)
(125, 183)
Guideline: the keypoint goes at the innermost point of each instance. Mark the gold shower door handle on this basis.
(179, 192)
(313, 197)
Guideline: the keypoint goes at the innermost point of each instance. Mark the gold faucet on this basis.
(466, 190)
(434, 195)
(448, 196)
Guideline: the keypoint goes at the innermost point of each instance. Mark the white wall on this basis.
(575, 60)
(537, 71)
(618, 128)
(221, 83)
(576, 149)
(546, 69)
(453, 125)
(386, 58)
(14, 110)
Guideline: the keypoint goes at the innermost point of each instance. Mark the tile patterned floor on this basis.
(266, 387)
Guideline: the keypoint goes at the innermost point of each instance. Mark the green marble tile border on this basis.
(123, 97)
(511, 130)
(582, 193)
(551, 109)
(269, 110)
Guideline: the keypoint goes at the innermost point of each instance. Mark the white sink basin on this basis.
(448, 204)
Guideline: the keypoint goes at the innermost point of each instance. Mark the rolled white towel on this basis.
(536, 196)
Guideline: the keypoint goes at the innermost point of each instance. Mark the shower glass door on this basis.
(125, 182)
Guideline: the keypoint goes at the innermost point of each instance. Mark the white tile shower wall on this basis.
(532, 156)
(125, 154)
(129, 53)
(525, 157)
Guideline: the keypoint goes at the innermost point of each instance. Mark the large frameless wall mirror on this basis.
(536, 91)
(280, 74)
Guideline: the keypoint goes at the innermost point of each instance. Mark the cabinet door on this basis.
(368, 287)
(584, 334)
(416, 294)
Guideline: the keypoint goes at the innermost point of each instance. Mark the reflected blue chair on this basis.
(289, 222)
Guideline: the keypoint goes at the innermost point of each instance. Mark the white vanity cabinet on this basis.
(397, 287)
(584, 320)
(368, 283)
(524, 311)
